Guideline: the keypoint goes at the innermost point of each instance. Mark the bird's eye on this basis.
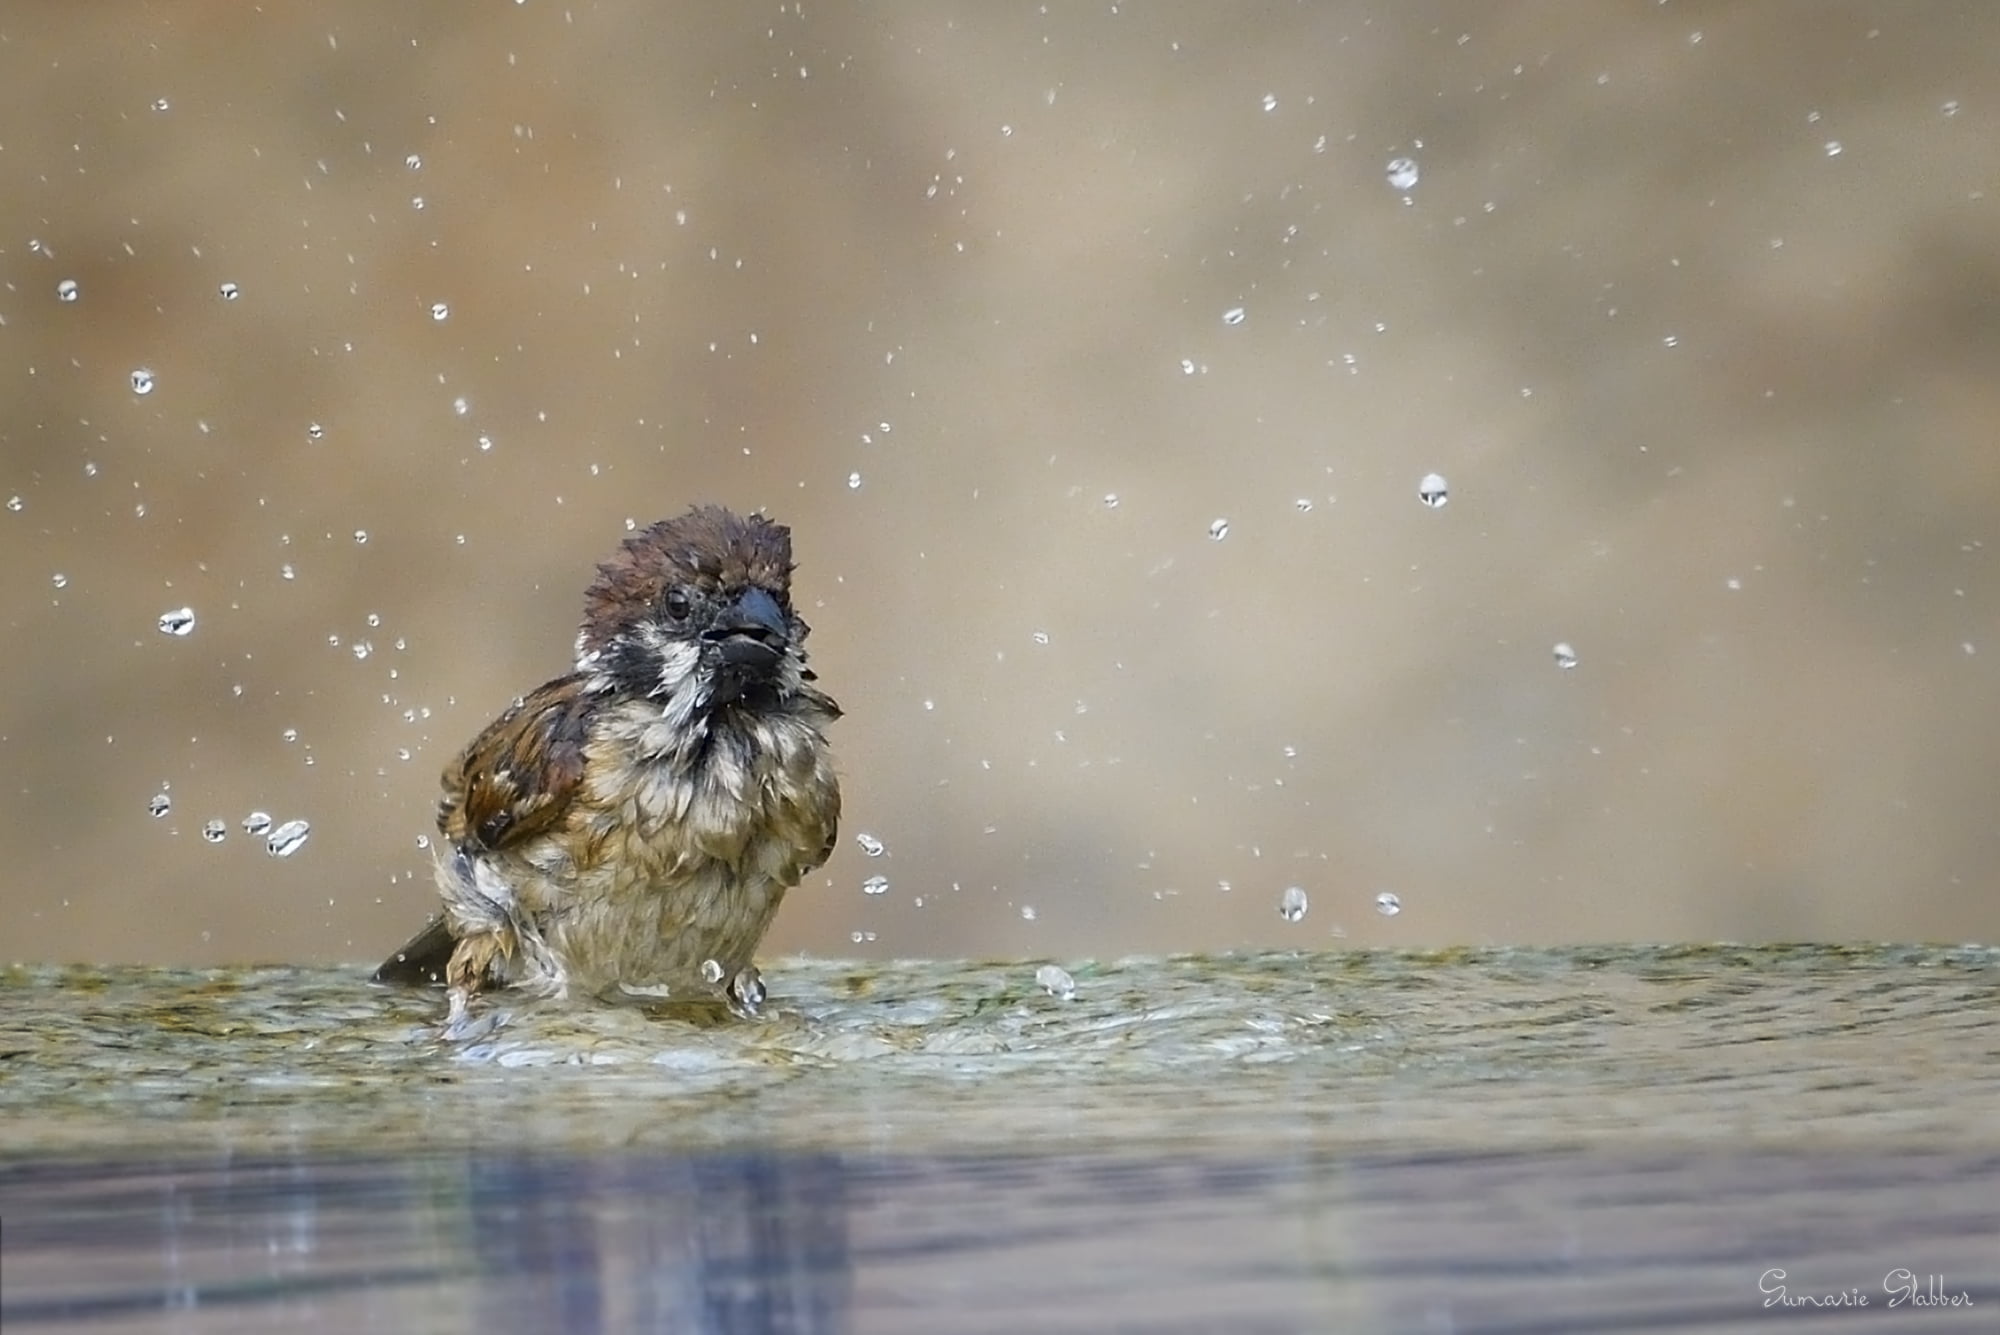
(677, 604)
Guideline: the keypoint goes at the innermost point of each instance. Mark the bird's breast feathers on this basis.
(663, 861)
(759, 794)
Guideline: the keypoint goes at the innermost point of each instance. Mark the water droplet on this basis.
(215, 831)
(15, 503)
(1270, 101)
(485, 443)
(748, 989)
(287, 839)
(414, 162)
(1950, 108)
(160, 805)
(1234, 315)
(875, 885)
(66, 290)
(1292, 904)
(1403, 174)
(257, 822)
(161, 104)
(460, 406)
(142, 381)
(1303, 505)
(1833, 149)
(440, 311)
(1565, 655)
(870, 845)
(60, 580)
(1110, 500)
(711, 971)
(180, 621)
(854, 481)
(1056, 981)
(1434, 491)
(229, 291)
(360, 536)
(1388, 904)
(290, 734)
(1028, 913)
(1218, 529)
(361, 648)
(285, 571)
(1041, 637)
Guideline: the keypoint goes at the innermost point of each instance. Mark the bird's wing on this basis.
(820, 703)
(517, 779)
(832, 814)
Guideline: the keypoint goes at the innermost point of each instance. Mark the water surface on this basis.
(1629, 1138)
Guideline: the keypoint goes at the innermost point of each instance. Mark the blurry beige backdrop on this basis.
(1096, 358)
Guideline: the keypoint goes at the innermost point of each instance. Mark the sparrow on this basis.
(629, 829)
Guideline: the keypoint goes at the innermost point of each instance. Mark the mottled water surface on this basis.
(1626, 1138)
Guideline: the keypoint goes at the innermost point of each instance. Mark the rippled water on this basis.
(1469, 1141)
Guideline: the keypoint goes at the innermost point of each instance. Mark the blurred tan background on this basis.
(1696, 307)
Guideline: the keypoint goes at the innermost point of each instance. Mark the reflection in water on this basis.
(729, 1243)
(512, 1242)
(778, 1242)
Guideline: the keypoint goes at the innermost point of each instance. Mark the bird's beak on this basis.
(750, 635)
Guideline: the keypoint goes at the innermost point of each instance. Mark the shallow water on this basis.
(1497, 1140)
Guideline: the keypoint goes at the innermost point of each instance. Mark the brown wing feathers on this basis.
(520, 776)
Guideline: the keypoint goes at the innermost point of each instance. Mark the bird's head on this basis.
(697, 611)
